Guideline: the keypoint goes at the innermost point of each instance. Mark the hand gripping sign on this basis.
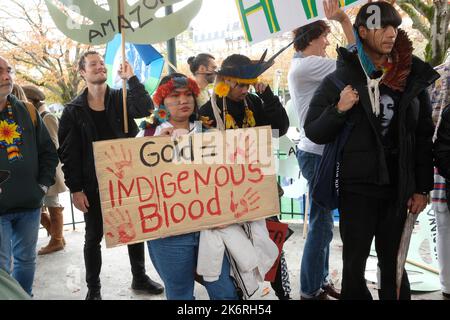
(155, 187)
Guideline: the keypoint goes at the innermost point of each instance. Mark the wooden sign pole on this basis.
(124, 59)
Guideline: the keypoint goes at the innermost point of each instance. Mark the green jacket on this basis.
(22, 191)
(10, 289)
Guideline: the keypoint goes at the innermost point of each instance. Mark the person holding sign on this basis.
(175, 257)
(237, 108)
(308, 68)
(96, 115)
(382, 174)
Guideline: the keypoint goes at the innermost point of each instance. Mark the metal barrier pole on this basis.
(71, 208)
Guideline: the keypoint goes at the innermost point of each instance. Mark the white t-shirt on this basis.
(304, 77)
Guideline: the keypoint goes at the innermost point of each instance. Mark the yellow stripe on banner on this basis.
(242, 20)
(342, 3)
(310, 8)
(270, 15)
(254, 11)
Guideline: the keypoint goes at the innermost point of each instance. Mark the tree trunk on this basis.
(439, 30)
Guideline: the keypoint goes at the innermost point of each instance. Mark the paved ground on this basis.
(61, 275)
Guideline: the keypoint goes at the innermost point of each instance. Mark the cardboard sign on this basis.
(262, 19)
(99, 24)
(277, 232)
(155, 187)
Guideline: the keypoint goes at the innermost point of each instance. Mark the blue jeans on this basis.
(18, 238)
(175, 259)
(314, 265)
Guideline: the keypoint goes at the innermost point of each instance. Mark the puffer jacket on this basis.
(364, 159)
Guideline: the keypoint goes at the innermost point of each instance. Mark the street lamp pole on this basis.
(171, 47)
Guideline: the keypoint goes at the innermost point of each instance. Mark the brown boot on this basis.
(56, 242)
(45, 220)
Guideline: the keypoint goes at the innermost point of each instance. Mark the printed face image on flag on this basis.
(146, 62)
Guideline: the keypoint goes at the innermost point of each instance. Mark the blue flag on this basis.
(147, 63)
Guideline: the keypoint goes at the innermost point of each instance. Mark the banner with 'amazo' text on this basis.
(262, 19)
(155, 187)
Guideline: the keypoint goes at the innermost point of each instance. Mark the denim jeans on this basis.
(314, 265)
(175, 259)
(18, 238)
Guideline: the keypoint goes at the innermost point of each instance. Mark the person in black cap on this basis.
(236, 107)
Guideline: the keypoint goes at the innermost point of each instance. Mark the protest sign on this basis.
(262, 19)
(278, 232)
(156, 187)
(98, 24)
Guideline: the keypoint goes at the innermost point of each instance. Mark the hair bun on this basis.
(190, 60)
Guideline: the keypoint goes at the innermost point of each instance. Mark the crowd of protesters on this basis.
(369, 113)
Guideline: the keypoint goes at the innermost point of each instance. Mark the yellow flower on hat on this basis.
(222, 89)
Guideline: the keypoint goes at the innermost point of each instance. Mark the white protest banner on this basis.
(155, 187)
(262, 19)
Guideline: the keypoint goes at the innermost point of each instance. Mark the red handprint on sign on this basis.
(119, 163)
(242, 207)
(244, 149)
(122, 229)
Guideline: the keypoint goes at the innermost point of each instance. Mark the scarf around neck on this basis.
(393, 75)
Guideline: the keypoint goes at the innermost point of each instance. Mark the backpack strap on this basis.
(336, 81)
(32, 111)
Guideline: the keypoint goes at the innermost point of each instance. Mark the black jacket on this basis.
(442, 149)
(266, 107)
(77, 131)
(364, 160)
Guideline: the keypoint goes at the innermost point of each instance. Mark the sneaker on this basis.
(93, 294)
(322, 296)
(331, 290)
(147, 285)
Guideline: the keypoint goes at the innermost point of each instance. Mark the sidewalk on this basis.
(61, 275)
